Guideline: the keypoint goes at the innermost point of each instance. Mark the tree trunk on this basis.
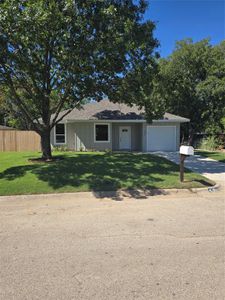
(46, 145)
(191, 136)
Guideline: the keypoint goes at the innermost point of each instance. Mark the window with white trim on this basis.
(101, 133)
(60, 135)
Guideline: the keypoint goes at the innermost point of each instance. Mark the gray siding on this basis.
(136, 136)
(80, 135)
(144, 133)
(52, 137)
(83, 136)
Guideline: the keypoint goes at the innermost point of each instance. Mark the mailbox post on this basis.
(185, 151)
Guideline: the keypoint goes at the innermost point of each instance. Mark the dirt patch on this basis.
(42, 160)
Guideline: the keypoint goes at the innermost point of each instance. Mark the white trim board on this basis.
(127, 121)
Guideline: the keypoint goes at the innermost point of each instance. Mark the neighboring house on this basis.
(2, 127)
(106, 125)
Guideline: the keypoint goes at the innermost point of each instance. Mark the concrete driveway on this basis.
(208, 167)
(80, 246)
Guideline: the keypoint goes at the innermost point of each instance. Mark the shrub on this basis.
(210, 143)
(91, 150)
(62, 148)
(108, 151)
(82, 149)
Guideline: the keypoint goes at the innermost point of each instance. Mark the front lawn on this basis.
(90, 172)
(217, 155)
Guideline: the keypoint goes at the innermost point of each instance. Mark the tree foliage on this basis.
(11, 114)
(56, 53)
(192, 83)
(2, 107)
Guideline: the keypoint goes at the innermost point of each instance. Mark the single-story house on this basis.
(106, 125)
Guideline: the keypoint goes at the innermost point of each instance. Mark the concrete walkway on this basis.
(207, 167)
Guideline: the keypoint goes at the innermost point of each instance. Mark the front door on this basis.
(125, 137)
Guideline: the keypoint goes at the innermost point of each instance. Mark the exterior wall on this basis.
(144, 133)
(80, 135)
(52, 137)
(136, 136)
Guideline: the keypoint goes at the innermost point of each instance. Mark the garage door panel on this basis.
(161, 138)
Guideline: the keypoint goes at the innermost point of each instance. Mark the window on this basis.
(60, 137)
(101, 133)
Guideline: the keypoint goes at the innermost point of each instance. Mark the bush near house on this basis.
(210, 143)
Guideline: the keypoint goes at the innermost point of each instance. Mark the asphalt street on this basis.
(84, 246)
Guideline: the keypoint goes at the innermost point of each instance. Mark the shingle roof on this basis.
(106, 110)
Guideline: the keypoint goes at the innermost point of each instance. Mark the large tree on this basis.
(56, 53)
(211, 91)
(192, 83)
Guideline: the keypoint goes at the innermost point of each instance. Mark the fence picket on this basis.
(19, 140)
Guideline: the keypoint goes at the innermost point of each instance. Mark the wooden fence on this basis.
(18, 140)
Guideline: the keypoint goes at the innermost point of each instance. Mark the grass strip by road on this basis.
(217, 155)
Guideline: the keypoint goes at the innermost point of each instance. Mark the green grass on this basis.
(217, 155)
(90, 172)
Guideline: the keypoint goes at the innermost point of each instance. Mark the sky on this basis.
(180, 19)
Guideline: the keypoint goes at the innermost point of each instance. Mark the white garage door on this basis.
(161, 138)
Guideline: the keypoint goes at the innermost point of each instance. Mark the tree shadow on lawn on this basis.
(202, 182)
(105, 172)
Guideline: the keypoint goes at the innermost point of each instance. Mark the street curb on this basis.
(138, 194)
(209, 189)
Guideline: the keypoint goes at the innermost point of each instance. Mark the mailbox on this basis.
(187, 150)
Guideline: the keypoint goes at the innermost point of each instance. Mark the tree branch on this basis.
(61, 103)
(65, 114)
(30, 72)
(55, 121)
(20, 103)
